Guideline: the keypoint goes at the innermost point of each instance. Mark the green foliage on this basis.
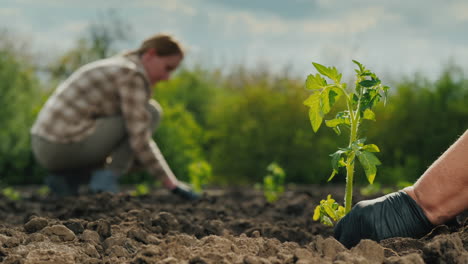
(141, 189)
(43, 191)
(367, 93)
(257, 120)
(11, 193)
(371, 189)
(200, 174)
(420, 121)
(273, 182)
(194, 89)
(179, 137)
(328, 212)
(20, 97)
(376, 188)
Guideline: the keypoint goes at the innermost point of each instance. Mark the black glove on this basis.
(185, 192)
(392, 215)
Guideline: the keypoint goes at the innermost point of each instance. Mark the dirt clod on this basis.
(370, 250)
(408, 259)
(35, 224)
(75, 225)
(164, 222)
(91, 237)
(60, 232)
(138, 235)
(104, 229)
(445, 249)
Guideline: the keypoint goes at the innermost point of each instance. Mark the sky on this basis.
(394, 38)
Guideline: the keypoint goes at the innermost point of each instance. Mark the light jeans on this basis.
(108, 147)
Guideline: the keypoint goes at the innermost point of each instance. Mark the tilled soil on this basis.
(234, 225)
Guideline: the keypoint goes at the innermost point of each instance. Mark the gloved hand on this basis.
(392, 215)
(185, 191)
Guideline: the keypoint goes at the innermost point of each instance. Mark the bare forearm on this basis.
(442, 191)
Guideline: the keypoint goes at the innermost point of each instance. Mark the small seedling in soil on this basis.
(273, 182)
(200, 174)
(11, 194)
(367, 93)
(328, 211)
(141, 190)
(43, 191)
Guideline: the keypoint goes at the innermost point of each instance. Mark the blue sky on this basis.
(390, 37)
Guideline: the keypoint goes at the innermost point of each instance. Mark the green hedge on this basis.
(20, 98)
(242, 121)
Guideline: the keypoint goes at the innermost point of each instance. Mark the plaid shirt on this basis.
(114, 86)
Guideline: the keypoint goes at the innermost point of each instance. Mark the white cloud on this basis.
(10, 12)
(175, 6)
(353, 22)
(74, 27)
(460, 11)
(14, 19)
(247, 21)
(42, 1)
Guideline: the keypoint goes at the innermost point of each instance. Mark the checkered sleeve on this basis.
(134, 96)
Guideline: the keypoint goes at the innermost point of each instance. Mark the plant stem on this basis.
(349, 183)
(354, 120)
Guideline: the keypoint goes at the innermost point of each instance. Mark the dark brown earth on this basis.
(234, 225)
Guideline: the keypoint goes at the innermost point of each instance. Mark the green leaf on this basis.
(314, 82)
(371, 148)
(329, 210)
(325, 102)
(315, 114)
(385, 90)
(330, 72)
(335, 122)
(355, 99)
(361, 67)
(336, 159)
(326, 220)
(315, 118)
(334, 94)
(369, 114)
(369, 83)
(312, 99)
(328, 97)
(369, 162)
(334, 172)
(316, 213)
(337, 130)
(342, 118)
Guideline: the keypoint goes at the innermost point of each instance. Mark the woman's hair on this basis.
(164, 45)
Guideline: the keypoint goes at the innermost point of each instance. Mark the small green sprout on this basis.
(273, 182)
(11, 194)
(368, 91)
(200, 174)
(141, 190)
(43, 191)
(328, 212)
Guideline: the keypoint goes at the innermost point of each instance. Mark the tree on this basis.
(99, 41)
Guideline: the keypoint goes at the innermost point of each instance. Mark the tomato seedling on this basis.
(11, 193)
(200, 173)
(368, 91)
(141, 189)
(273, 182)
